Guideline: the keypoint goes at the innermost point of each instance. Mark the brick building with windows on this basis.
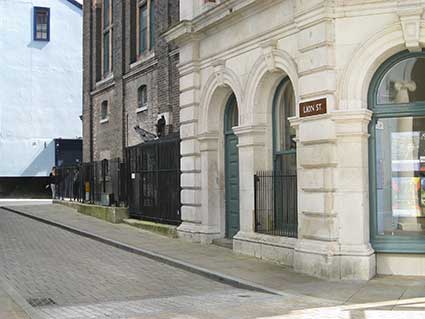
(130, 74)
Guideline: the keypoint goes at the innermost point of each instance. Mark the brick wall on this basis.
(157, 70)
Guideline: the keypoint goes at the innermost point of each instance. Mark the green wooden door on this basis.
(231, 168)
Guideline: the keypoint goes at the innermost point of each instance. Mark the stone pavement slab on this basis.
(67, 276)
(12, 305)
(43, 262)
(380, 294)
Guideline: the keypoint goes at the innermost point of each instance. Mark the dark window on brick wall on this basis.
(41, 24)
(98, 43)
(142, 97)
(143, 28)
(133, 31)
(104, 110)
(107, 37)
(152, 25)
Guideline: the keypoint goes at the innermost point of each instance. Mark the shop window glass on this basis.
(404, 83)
(398, 144)
(400, 168)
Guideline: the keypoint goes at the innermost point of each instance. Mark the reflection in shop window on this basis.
(400, 163)
(404, 83)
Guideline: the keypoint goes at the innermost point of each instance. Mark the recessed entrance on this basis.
(231, 168)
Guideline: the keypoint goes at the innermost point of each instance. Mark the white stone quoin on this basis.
(328, 50)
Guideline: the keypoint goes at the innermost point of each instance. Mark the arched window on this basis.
(142, 98)
(104, 110)
(284, 177)
(397, 154)
(284, 146)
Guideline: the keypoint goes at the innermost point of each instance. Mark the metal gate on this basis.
(275, 203)
(154, 181)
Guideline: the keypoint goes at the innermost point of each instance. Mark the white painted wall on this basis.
(40, 85)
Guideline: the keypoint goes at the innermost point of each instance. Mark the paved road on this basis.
(64, 275)
(67, 276)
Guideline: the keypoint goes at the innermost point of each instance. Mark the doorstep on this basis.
(223, 242)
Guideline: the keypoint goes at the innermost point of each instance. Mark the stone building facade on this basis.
(130, 74)
(330, 90)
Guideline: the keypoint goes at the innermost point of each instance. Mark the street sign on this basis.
(313, 108)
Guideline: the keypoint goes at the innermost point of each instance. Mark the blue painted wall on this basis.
(40, 85)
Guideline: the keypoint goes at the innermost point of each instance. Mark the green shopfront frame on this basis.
(385, 114)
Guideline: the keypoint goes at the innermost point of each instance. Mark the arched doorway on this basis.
(231, 158)
(284, 161)
(397, 155)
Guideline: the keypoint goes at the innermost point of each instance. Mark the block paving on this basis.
(89, 279)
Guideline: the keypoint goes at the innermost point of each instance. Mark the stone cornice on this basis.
(303, 17)
(140, 68)
(208, 141)
(181, 33)
(249, 130)
(363, 115)
(390, 7)
(313, 15)
(233, 10)
(208, 136)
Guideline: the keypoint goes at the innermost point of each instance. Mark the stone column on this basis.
(212, 215)
(252, 158)
(352, 194)
(191, 194)
(333, 213)
(317, 245)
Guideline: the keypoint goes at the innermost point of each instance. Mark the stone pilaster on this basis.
(191, 194)
(352, 194)
(333, 216)
(251, 159)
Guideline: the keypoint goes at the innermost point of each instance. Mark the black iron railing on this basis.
(101, 182)
(276, 204)
(148, 181)
(69, 183)
(154, 184)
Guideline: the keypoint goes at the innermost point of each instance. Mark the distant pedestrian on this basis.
(53, 181)
(66, 181)
(76, 184)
